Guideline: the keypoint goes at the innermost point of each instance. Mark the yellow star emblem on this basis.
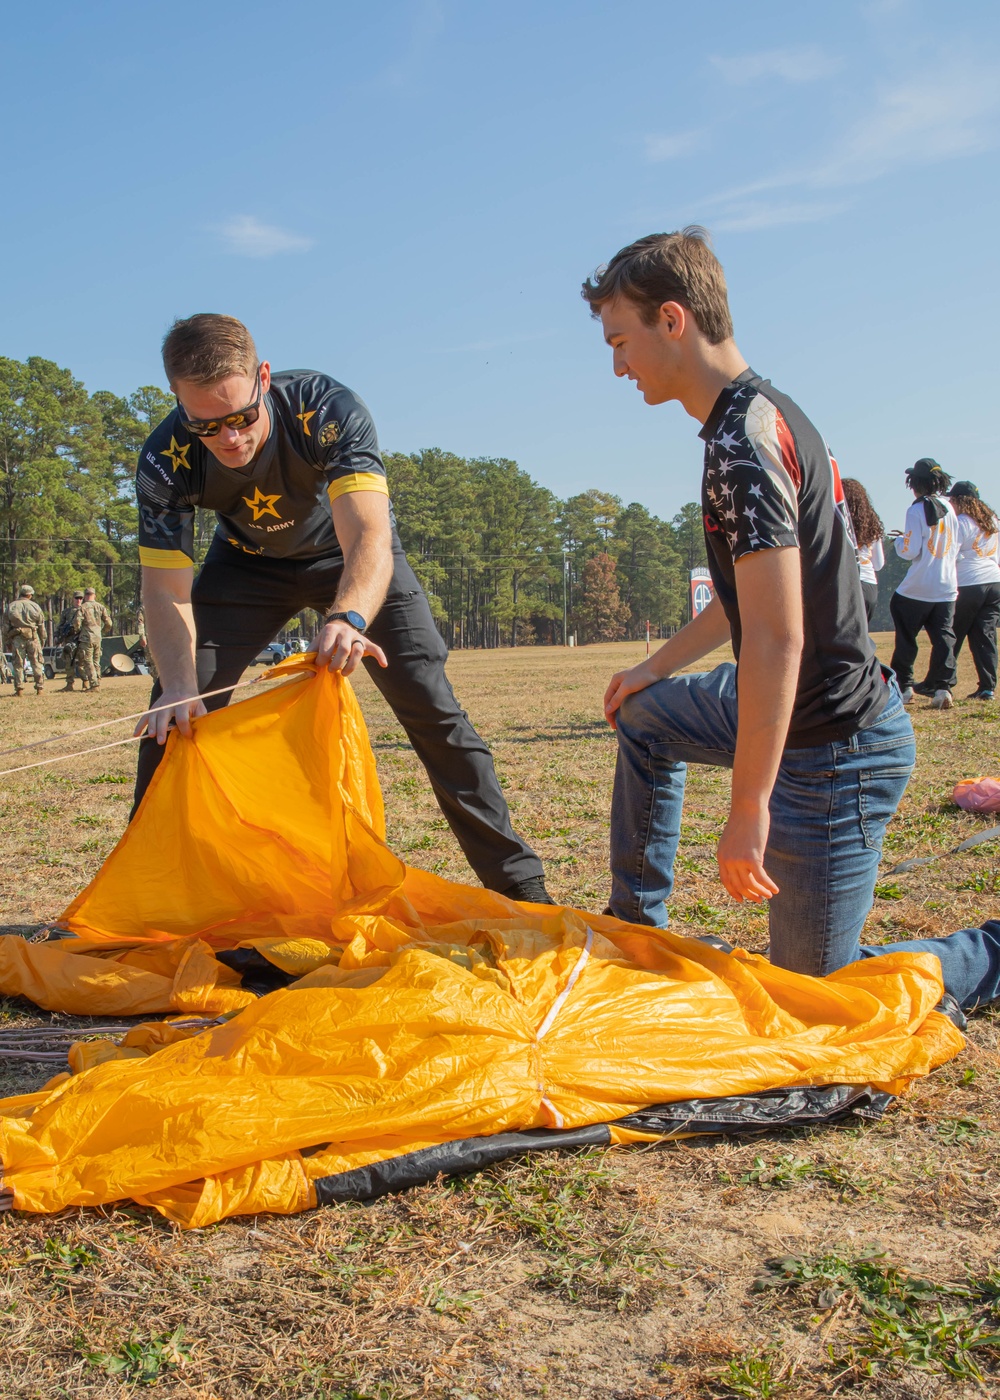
(178, 455)
(304, 417)
(262, 505)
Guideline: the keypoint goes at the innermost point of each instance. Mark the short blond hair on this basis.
(205, 348)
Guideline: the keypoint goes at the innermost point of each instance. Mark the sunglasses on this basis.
(210, 427)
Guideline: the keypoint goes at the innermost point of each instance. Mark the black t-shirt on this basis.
(770, 481)
(322, 444)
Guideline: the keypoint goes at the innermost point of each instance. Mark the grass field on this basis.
(627, 1274)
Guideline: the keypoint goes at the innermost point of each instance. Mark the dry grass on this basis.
(623, 1274)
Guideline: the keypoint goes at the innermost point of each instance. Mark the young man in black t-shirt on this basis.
(820, 745)
(290, 464)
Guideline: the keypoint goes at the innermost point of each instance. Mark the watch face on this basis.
(356, 621)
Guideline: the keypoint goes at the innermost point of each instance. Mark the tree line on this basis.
(504, 561)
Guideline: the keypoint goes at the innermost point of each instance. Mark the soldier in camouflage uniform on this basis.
(147, 651)
(23, 624)
(94, 621)
(68, 632)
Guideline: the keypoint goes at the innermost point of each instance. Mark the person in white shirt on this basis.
(925, 600)
(868, 535)
(977, 610)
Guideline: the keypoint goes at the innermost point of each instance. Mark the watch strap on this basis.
(346, 617)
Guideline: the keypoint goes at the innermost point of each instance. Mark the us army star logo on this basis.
(304, 417)
(329, 433)
(178, 455)
(262, 505)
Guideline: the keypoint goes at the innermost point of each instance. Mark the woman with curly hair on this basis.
(977, 610)
(925, 600)
(868, 535)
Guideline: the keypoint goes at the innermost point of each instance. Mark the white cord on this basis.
(116, 743)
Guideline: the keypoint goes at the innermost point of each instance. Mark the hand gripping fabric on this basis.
(411, 1013)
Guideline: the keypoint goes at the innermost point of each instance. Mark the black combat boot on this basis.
(530, 891)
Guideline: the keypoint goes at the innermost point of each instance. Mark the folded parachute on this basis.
(409, 1025)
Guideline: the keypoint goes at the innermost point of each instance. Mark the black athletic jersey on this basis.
(770, 481)
(322, 444)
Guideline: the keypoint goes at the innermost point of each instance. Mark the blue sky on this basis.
(407, 194)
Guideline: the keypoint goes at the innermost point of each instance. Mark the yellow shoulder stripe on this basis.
(164, 558)
(358, 481)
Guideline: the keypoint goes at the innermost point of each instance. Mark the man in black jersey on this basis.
(820, 745)
(290, 464)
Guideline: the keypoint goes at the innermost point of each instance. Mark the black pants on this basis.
(977, 613)
(241, 602)
(910, 617)
(870, 592)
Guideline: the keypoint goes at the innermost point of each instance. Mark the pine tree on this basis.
(650, 578)
(54, 477)
(601, 611)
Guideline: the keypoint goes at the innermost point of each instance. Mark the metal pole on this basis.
(565, 611)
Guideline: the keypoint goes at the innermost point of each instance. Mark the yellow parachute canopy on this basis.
(410, 1012)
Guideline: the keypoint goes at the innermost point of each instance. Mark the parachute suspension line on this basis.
(554, 1011)
(77, 753)
(105, 724)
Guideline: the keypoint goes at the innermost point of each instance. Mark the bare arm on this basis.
(769, 589)
(710, 629)
(166, 594)
(361, 520)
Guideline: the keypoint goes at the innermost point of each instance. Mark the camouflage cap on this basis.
(25, 591)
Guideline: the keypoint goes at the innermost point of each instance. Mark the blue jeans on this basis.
(970, 961)
(829, 811)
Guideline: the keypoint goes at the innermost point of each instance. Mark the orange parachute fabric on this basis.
(417, 1012)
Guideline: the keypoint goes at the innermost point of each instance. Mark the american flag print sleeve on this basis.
(770, 482)
(752, 477)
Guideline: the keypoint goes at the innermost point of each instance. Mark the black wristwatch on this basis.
(354, 619)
